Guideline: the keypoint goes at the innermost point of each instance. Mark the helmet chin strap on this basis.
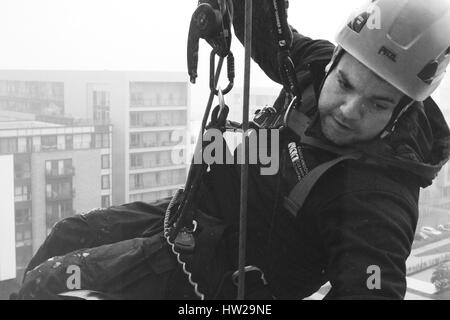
(403, 106)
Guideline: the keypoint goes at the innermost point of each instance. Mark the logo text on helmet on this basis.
(370, 18)
(388, 53)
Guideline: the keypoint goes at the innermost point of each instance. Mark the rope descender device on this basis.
(212, 22)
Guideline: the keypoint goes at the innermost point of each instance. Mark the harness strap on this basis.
(294, 202)
(284, 38)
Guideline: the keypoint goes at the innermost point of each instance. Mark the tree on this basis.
(441, 277)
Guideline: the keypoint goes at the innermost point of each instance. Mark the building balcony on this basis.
(157, 185)
(146, 103)
(133, 191)
(158, 125)
(26, 225)
(24, 243)
(155, 168)
(160, 144)
(26, 96)
(60, 196)
(53, 218)
(66, 173)
(22, 178)
(23, 199)
(22, 175)
(158, 108)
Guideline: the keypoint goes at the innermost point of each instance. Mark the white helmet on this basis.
(405, 42)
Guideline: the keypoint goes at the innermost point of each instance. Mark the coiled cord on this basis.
(172, 245)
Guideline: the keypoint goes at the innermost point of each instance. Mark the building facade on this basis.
(71, 141)
(149, 112)
(52, 171)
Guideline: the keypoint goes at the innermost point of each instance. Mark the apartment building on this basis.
(149, 113)
(49, 172)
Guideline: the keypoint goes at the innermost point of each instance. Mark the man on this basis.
(373, 138)
(359, 214)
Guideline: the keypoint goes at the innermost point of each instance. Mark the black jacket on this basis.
(359, 214)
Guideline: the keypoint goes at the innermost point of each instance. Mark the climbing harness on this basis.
(212, 22)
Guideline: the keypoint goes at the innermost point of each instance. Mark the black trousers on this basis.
(121, 250)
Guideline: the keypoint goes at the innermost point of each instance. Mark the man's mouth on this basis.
(341, 124)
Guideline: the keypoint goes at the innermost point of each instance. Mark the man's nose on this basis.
(352, 108)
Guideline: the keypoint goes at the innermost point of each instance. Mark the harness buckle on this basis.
(235, 275)
(185, 240)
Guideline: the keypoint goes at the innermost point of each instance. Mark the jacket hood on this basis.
(420, 143)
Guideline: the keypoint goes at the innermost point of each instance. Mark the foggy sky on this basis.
(144, 35)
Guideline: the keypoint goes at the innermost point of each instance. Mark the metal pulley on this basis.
(212, 22)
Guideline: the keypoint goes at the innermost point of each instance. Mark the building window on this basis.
(23, 235)
(56, 168)
(171, 100)
(22, 193)
(165, 178)
(23, 255)
(23, 216)
(135, 197)
(105, 182)
(8, 145)
(58, 211)
(101, 98)
(137, 98)
(49, 143)
(136, 181)
(135, 119)
(150, 140)
(136, 161)
(102, 140)
(447, 170)
(82, 141)
(59, 190)
(158, 99)
(101, 103)
(165, 158)
(101, 114)
(106, 201)
(135, 140)
(24, 145)
(69, 142)
(105, 161)
(150, 180)
(178, 176)
(53, 214)
(447, 192)
(22, 170)
(158, 94)
(164, 139)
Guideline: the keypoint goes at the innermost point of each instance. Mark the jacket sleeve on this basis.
(264, 42)
(367, 238)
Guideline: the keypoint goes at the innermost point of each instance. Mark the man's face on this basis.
(355, 105)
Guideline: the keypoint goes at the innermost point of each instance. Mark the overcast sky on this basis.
(131, 34)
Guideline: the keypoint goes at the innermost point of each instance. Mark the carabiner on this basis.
(221, 98)
(219, 114)
(230, 72)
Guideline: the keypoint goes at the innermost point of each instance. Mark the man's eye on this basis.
(380, 107)
(344, 85)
